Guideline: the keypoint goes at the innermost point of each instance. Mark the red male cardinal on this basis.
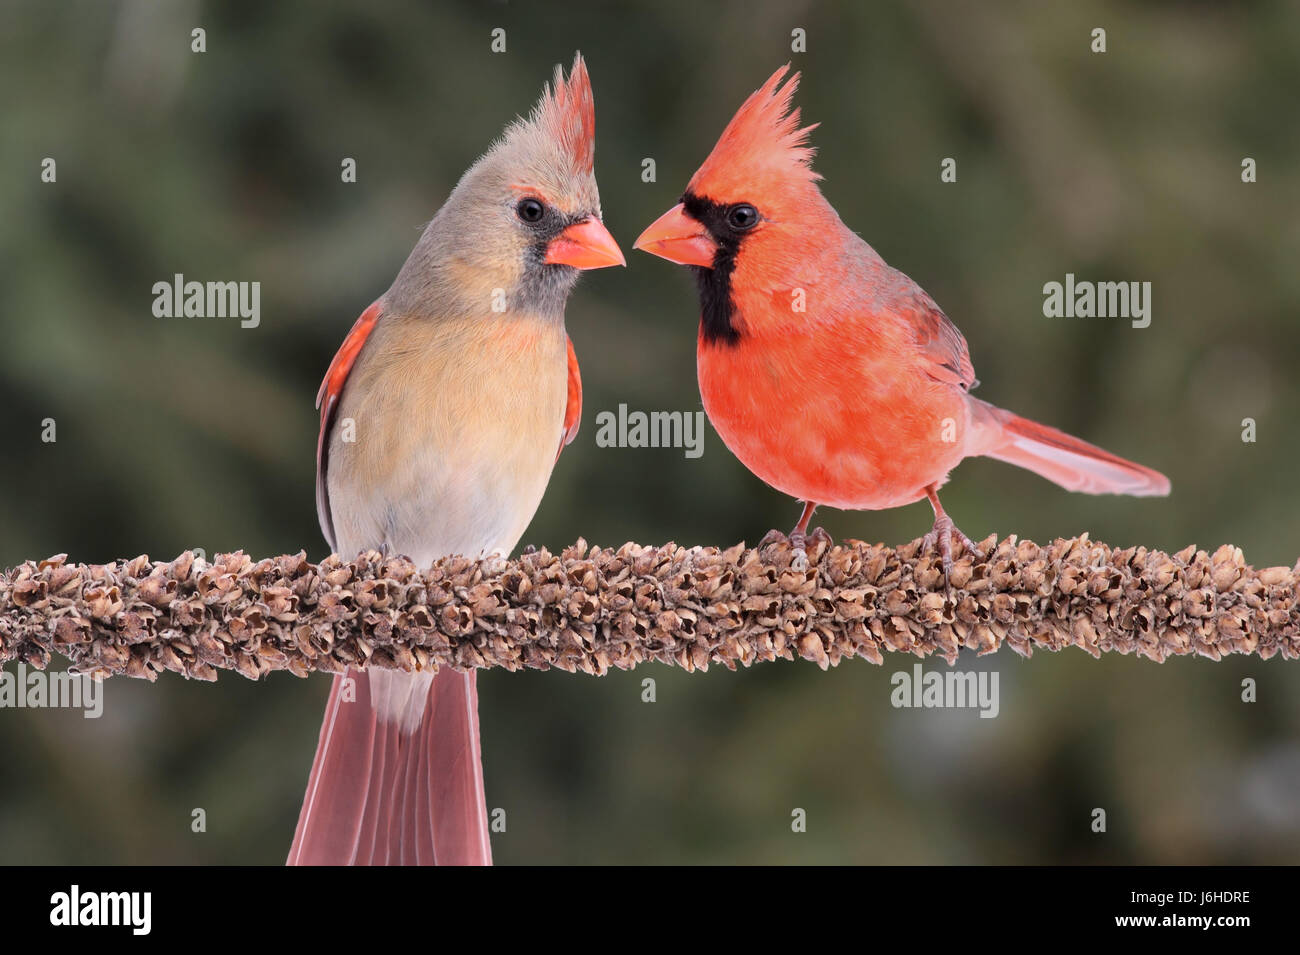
(832, 376)
(458, 388)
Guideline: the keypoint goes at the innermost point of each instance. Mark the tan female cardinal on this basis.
(832, 376)
(459, 388)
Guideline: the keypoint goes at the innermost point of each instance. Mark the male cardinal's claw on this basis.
(940, 538)
(797, 542)
(798, 546)
(801, 543)
(799, 558)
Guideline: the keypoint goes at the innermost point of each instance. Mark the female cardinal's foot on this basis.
(941, 535)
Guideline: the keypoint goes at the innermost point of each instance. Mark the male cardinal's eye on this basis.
(742, 216)
(530, 209)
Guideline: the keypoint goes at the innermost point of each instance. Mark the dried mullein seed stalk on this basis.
(592, 609)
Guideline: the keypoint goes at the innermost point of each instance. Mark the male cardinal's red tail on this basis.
(1061, 458)
(403, 788)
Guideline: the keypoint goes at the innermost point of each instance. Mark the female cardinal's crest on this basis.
(566, 115)
(763, 137)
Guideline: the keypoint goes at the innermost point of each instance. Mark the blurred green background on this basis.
(193, 433)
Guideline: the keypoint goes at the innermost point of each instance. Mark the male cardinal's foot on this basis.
(798, 538)
(941, 535)
(800, 542)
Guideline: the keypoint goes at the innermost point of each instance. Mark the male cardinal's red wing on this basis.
(327, 400)
(573, 410)
(940, 341)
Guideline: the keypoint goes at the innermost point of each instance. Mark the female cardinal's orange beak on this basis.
(585, 245)
(677, 237)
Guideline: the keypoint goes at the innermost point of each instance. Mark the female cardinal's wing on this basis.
(572, 410)
(327, 400)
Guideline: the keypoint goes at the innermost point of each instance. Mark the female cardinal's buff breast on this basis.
(457, 399)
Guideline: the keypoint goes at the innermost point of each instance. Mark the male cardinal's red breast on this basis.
(459, 387)
(832, 376)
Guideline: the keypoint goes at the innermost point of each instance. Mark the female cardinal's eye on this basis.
(742, 216)
(530, 209)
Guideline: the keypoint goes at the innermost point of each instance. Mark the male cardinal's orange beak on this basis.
(677, 237)
(585, 245)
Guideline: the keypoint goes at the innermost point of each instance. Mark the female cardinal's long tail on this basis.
(400, 782)
(1061, 458)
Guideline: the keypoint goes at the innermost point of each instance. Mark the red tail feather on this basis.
(396, 791)
(1061, 458)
